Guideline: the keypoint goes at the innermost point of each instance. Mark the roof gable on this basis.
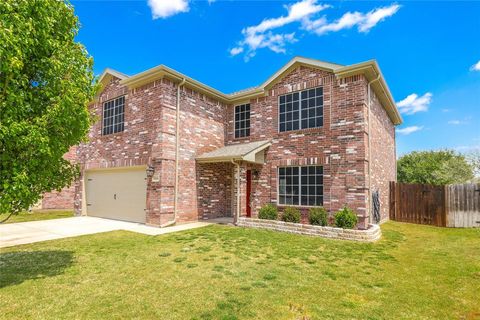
(108, 74)
(369, 69)
(294, 63)
(105, 78)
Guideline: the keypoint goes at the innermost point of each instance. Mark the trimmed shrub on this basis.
(291, 215)
(318, 216)
(268, 211)
(346, 218)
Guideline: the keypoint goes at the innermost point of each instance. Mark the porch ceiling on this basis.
(250, 152)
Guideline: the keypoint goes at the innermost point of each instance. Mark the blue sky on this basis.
(429, 51)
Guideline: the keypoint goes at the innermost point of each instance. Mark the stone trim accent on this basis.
(373, 233)
(117, 163)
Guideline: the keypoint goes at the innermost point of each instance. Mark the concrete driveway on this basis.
(34, 231)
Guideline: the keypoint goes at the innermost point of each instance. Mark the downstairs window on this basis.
(300, 186)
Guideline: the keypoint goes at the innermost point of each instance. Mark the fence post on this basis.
(446, 208)
(392, 200)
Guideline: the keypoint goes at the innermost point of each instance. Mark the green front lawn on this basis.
(220, 272)
(37, 215)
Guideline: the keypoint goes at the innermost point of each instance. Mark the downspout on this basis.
(369, 149)
(177, 152)
(237, 213)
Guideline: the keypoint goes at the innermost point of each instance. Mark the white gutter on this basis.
(177, 153)
(369, 149)
(237, 213)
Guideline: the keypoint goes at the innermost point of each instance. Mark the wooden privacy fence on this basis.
(418, 203)
(463, 205)
(454, 206)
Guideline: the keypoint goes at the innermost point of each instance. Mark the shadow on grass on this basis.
(17, 267)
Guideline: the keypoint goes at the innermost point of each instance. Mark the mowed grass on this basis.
(220, 272)
(37, 215)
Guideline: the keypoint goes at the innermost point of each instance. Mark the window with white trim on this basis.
(300, 186)
(301, 110)
(242, 120)
(113, 115)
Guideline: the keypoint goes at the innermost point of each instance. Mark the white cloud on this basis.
(475, 67)
(261, 35)
(167, 8)
(296, 12)
(408, 130)
(454, 122)
(304, 12)
(363, 21)
(413, 103)
(371, 19)
(236, 50)
(457, 122)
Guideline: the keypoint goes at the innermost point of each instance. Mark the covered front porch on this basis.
(227, 180)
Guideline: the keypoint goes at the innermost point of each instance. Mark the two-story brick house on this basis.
(167, 148)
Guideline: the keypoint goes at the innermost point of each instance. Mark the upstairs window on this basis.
(242, 120)
(300, 186)
(113, 116)
(301, 110)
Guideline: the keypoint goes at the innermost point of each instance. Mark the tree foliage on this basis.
(434, 167)
(474, 159)
(46, 83)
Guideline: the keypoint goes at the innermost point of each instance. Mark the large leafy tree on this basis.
(434, 167)
(474, 159)
(46, 82)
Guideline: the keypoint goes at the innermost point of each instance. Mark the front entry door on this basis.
(249, 190)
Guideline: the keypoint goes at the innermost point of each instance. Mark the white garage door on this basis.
(117, 193)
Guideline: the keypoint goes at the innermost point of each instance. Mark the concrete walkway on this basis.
(34, 231)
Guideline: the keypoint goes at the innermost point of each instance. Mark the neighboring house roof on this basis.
(251, 152)
(369, 69)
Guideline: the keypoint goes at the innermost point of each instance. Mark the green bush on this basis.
(291, 215)
(346, 218)
(269, 212)
(318, 216)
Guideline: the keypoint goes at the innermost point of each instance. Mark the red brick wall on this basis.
(149, 139)
(208, 190)
(214, 190)
(383, 154)
(202, 129)
(63, 199)
(132, 147)
(340, 145)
